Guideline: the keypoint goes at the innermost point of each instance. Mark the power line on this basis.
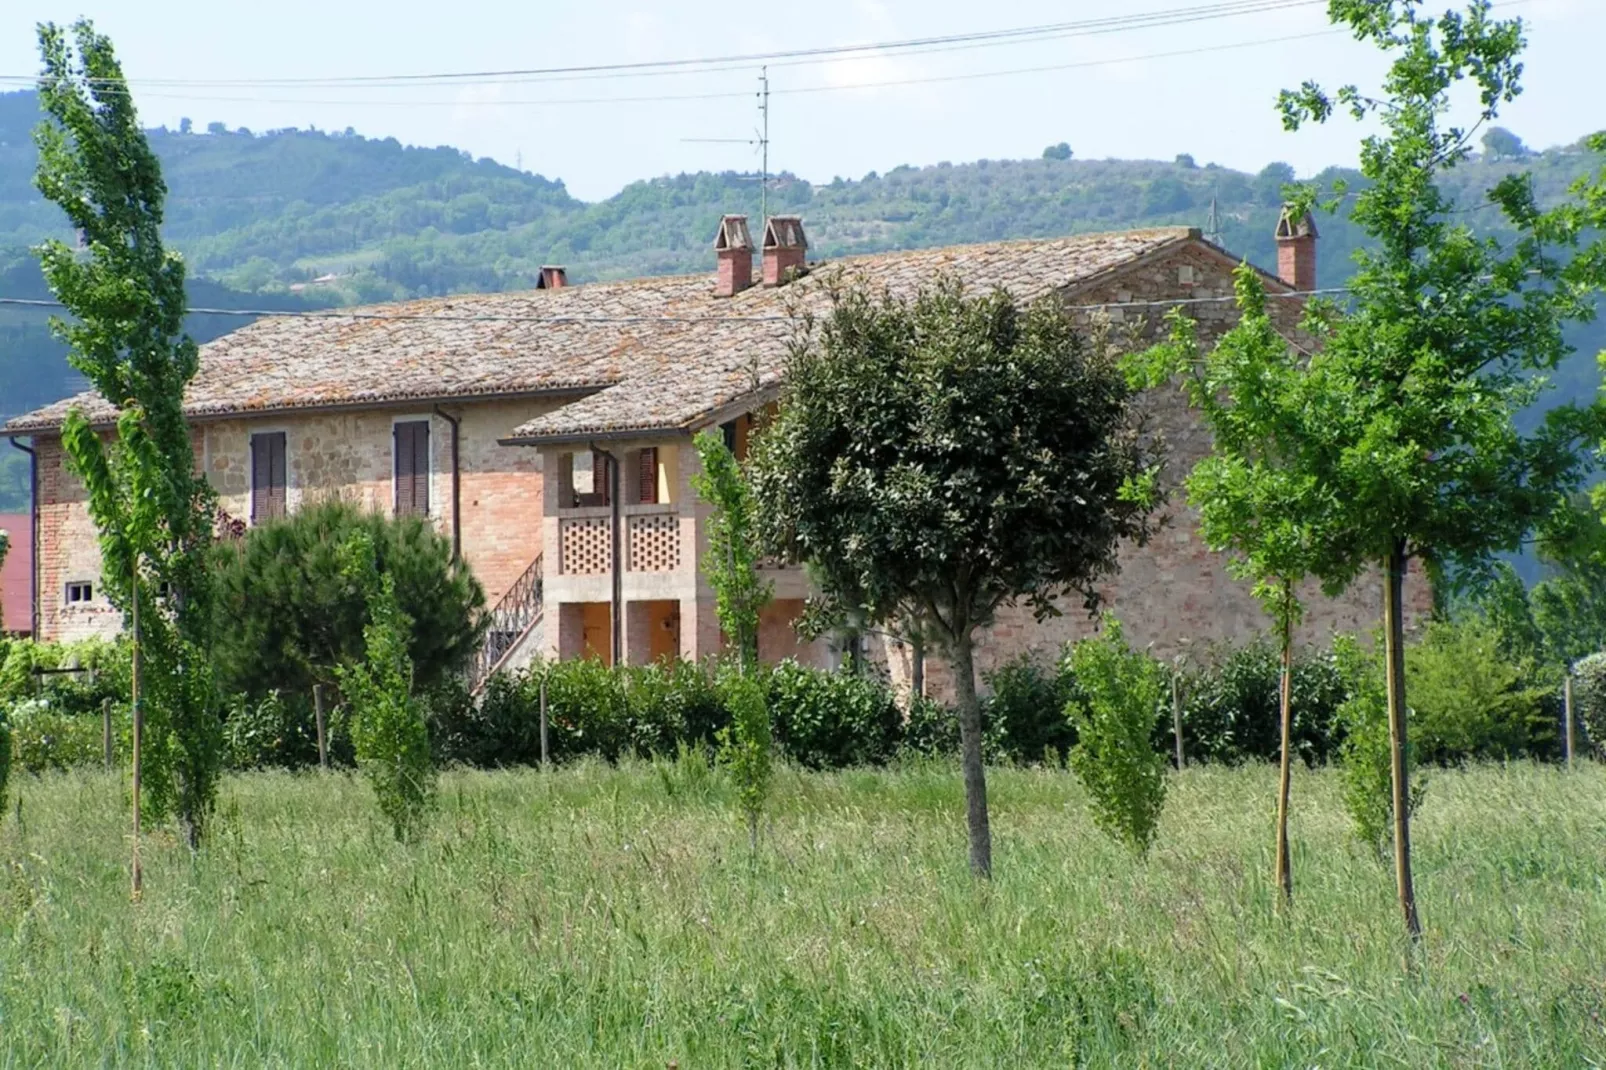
(337, 314)
(1047, 31)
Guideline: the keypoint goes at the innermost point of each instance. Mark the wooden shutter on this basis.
(269, 477)
(603, 477)
(649, 475)
(412, 467)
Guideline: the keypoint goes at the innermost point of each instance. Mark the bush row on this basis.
(1469, 701)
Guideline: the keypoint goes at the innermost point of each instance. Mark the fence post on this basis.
(106, 732)
(1567, 718)
(1176, 712)
(543, 721)
(318, 719)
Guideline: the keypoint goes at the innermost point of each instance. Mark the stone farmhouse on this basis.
(548, 435)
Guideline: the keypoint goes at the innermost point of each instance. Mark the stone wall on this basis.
(1173, 595)
(328, 455)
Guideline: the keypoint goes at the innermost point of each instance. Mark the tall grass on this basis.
(613, 917)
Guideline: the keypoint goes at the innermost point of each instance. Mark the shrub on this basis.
(1365, 765)
(281, 731)
(1122, 691)
(673, 703)
(930, 730)
(829, 720)
(501, 729)
(105, 673)
(1023, 718)
(1470, 701)
(587, 710)
(1230, 706)
(287, 615)
(1589, 698)
(45, 736)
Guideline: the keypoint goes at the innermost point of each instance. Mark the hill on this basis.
(290, 217)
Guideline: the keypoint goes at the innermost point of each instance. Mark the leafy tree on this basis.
(153, 512)
(388, 726)
(1406, 416)
(1253, 500)
(1501, 144)
(1569, 607)
(1121, 695)
(289, 612)
(947, 455)
(731, 563)
(1062, 151)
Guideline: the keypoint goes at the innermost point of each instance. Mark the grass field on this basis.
(614, 917)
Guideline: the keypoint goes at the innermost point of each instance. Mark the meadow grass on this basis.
(599, 916)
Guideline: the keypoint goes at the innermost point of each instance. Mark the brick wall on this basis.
(1172, 595)
(328, 455)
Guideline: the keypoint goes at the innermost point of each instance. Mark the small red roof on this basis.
(16, 575)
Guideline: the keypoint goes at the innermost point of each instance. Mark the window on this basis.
(80, 592)
(585, 478)
(412, 467)
(649, 476)
(269, 477)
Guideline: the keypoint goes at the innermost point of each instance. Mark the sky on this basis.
(1206, 88)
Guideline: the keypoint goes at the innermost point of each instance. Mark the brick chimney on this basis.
(784, 246)
(1296, 250)
(733, 247)
(553, 277)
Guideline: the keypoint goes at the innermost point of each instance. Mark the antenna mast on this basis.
(764, 145)
(1212, 227)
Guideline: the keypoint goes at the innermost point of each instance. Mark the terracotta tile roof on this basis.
(658, 353)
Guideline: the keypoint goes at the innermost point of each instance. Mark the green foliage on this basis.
(46, 736)
(744, 745)
(731, 560)
(1122, 691)
(1230, 706)
(279, 731)
(830, 720)
(1023, 716)
(933, 459)
(1062, 151)
(389, 732)
(127, 299)
(1365, 768)
(1470, 700)
(287, 615)
(1589, 698)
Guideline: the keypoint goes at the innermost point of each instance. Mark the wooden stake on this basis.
(1176, 713)
(318, 720)
(1285, 709)
(106, 733)
(138, 876)
(1567, 719)
(543, 722)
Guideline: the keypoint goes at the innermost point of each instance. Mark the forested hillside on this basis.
(292, 217)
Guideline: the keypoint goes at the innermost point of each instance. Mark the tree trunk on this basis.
(1394, 671)
(1285, 871)
(981, 838)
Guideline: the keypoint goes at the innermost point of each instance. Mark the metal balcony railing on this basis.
(515, 613)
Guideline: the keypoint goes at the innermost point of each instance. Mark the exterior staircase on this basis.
(515, 619)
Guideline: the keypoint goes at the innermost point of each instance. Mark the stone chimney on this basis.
(1296, 250)
(733, 246)
(784, 246)
(553, 277)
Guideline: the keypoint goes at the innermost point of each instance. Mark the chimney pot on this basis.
(553, 277)
(1296, 250)
(733, 248)
(785, 245)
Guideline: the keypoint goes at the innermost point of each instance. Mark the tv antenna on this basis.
(760, 140)
(1212, 227)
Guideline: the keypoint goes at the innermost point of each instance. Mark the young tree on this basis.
(388, 728)
(731, 563)
(1253, 501)
(1406, 415)
(945, 456)
(153, 511)
(731, 566)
